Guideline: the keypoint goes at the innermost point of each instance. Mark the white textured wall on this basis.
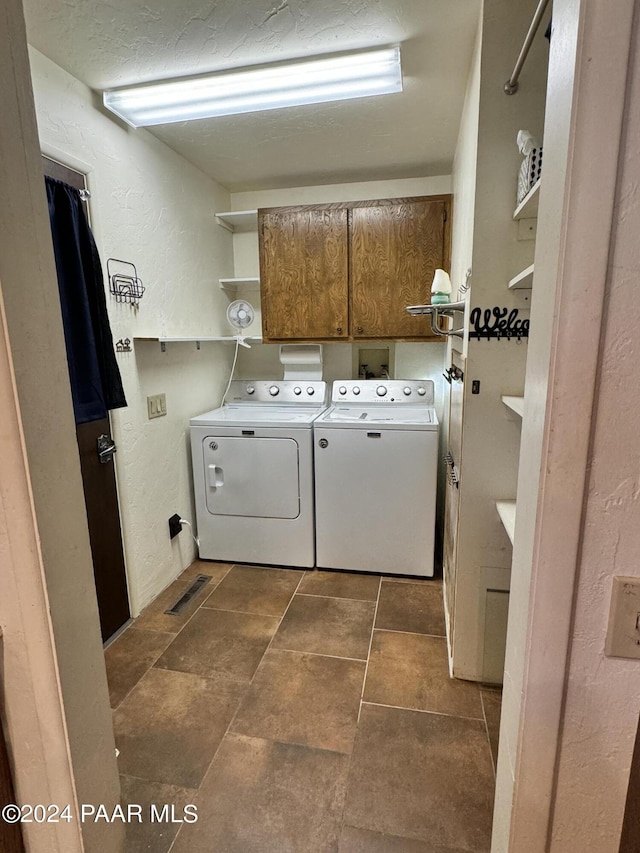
(151, 207)
(602, 699)
(464, 180)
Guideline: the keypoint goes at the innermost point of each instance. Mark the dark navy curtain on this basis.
(96, 385)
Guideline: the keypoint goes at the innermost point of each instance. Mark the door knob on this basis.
(106, 448)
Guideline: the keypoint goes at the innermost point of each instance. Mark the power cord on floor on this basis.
(190, 526)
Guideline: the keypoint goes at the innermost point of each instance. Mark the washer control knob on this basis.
(406, 391)
(274, 390)
(421, 391)
(311, 391)
(381, 391)
(356, 390)
(251, 389)
(297, 390)
(342, 390)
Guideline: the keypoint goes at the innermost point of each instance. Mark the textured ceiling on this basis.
(108, 44)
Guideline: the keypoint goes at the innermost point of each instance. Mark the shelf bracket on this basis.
(436, 311)
(224, 225)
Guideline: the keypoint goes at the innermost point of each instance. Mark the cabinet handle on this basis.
(359, 329)
(339, 329)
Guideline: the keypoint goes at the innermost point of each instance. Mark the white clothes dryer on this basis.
(253, 473)
(376, 461)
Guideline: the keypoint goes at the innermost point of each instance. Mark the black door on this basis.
(100, 493)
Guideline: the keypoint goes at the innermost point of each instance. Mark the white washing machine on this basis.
(376, 461)
(253, 473)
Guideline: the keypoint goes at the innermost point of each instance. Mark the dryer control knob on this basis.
(342, 390)
(421, 391)
(311, 391)
(274, 390)
(406, 391)
(251, 389)
(356, 390)
(381, 391)
(297, 390)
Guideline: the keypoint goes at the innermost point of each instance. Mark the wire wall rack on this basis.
(124, 283)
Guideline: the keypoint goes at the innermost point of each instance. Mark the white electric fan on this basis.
(240, 314)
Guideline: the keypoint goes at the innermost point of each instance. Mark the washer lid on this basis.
(380, 416)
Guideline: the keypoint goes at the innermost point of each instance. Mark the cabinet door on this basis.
(396, 246)
(303, 273)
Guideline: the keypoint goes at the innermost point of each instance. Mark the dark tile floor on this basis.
(301, 712)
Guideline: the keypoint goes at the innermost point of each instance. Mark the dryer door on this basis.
(248, 476)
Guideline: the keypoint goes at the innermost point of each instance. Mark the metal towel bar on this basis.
(511, 86)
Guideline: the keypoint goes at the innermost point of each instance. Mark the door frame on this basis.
(583, 131)
(29, 669)
(59, 722)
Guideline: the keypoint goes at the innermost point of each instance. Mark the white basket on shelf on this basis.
(530, 172)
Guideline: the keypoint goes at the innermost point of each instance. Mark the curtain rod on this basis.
(511, 86)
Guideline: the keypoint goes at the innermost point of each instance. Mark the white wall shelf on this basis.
(528, 207)
(204, 339)
(507, 513)
(522, 281)
(516, 404)
(231, 285)
(238, 220)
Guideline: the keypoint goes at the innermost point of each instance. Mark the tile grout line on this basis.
(412, 633)
(486, 728)
(364, 681)
(213, 758)
(149, 668)
(316, 654)
(244, 612)
(335, 597)
(424, 711)
(133, 626)
(366, 669)
(286, 610)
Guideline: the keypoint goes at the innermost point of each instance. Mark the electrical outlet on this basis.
(157, 406)
(174, 526)
(623, 633)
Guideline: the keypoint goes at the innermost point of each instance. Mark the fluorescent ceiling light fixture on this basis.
(267, 87)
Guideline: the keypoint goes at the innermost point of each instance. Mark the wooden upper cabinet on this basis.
(348, 271)
(304, 272)
(395, 248)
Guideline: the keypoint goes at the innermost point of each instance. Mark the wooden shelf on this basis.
(232, 284)
(528, 207)
(238, 220)
(507, 513)
(522, 281)
(516, 404)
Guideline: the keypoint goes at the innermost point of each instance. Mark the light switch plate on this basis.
(157, 406)
(623, 633)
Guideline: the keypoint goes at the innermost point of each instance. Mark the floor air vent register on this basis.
(193, 590)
